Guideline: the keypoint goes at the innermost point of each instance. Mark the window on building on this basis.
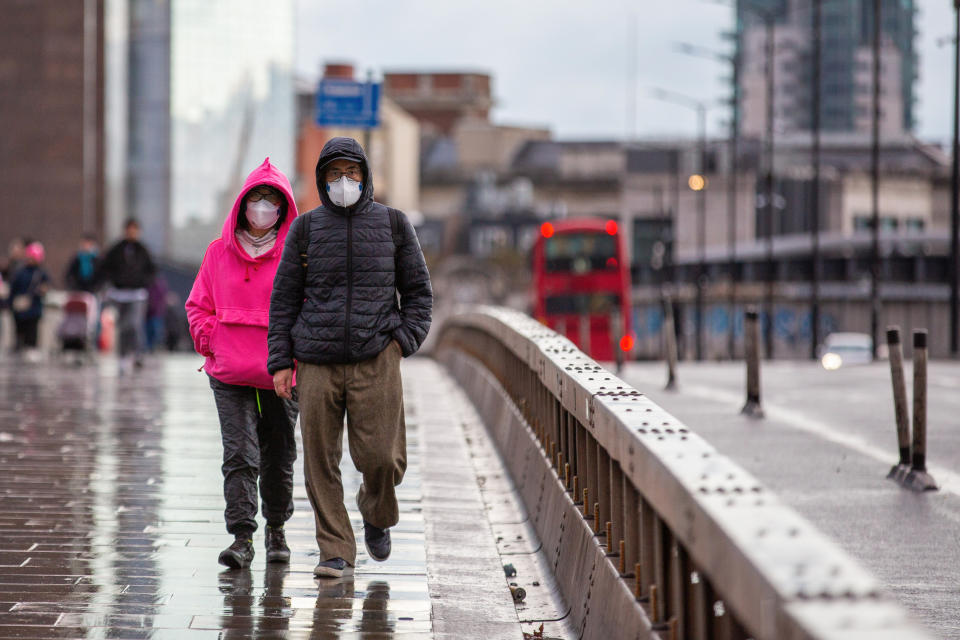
(913, 225)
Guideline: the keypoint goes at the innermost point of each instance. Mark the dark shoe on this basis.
(332, 568)
(377, 541)
(276, 544)
(238, 555)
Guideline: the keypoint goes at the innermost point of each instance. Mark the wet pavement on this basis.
(112, 520)
(825, 447)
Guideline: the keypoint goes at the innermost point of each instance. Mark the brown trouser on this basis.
(370, 393)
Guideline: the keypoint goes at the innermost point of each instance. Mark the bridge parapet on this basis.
(650, 530)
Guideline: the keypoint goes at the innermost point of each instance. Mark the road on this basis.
(825, 446)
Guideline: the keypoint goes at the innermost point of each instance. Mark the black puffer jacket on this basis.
(343, 307)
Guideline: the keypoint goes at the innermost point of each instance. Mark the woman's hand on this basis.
(283, 383)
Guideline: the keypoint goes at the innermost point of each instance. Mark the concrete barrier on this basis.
(717, 553)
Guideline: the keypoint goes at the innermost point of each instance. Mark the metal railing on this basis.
(700, 548)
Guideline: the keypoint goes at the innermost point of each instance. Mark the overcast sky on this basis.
(565, 64)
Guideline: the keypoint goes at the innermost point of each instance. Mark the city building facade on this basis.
(52, 159)
(438, 100)
(140, 109)
(393, 149)
(846, 77)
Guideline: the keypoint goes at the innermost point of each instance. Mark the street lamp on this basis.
(768, 15)
(955, 186)
(875, 186)
(768, 18)
(698, 179)
(732, 169)
(815, 195)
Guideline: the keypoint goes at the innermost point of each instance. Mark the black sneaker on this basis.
(377, 541)
(238, 555)
(276, 544)
(332, 568)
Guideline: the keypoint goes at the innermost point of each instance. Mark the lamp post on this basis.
(697, 183)
(768, 18)
(875, 186)
(768, 15)
(955, 186)
(815, 194)
(732, 171)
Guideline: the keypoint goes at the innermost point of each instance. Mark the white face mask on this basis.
(344, 192)
(262, 214)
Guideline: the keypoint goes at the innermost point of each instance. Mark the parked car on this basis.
(845, 348)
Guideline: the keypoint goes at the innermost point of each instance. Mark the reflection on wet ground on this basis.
(112, 521)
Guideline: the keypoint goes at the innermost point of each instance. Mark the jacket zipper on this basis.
(346, 323)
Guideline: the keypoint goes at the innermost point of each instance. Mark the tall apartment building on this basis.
(846, 79)
(52, 110)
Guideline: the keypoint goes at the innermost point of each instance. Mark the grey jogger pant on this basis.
(370, 393)
(258, 441)
(131, 318)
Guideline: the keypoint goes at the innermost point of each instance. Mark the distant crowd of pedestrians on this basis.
(123, 277)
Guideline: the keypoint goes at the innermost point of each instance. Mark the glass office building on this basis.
(198, 94)
(232, 105)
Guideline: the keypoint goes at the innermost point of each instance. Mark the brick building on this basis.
(52, 109)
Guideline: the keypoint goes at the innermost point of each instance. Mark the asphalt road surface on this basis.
(825, 446)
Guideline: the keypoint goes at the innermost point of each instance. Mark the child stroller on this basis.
(77, 331)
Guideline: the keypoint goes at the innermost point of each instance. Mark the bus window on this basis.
(575, 304)
(580, 253)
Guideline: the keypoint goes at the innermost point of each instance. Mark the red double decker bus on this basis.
(581, 285)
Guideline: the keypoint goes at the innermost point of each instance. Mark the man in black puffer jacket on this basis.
(335, 310)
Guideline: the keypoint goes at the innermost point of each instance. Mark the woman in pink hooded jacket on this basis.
(228, 310)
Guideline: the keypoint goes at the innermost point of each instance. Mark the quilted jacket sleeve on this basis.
(286, 300)
(416, 294)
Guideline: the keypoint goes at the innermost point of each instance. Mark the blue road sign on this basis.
(345, 103)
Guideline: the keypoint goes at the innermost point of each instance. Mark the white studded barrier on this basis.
(674, 539)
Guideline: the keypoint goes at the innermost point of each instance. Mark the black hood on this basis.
(350, 149)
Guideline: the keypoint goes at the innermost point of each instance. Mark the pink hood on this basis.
(229, 305)
(267, 174)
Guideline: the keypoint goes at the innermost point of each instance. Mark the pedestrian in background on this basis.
(29, 285)
(15, 258)
(156, 312)
(82, 271)
(228, 310)
(335, 312)
(128, 270)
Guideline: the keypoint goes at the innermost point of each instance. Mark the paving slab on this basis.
(112, 519)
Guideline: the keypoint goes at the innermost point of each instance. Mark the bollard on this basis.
(899, 471)
(584, 327)
(616, 335)
(918, 479)
(752, 407)
(670, 344)
(654, 604)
